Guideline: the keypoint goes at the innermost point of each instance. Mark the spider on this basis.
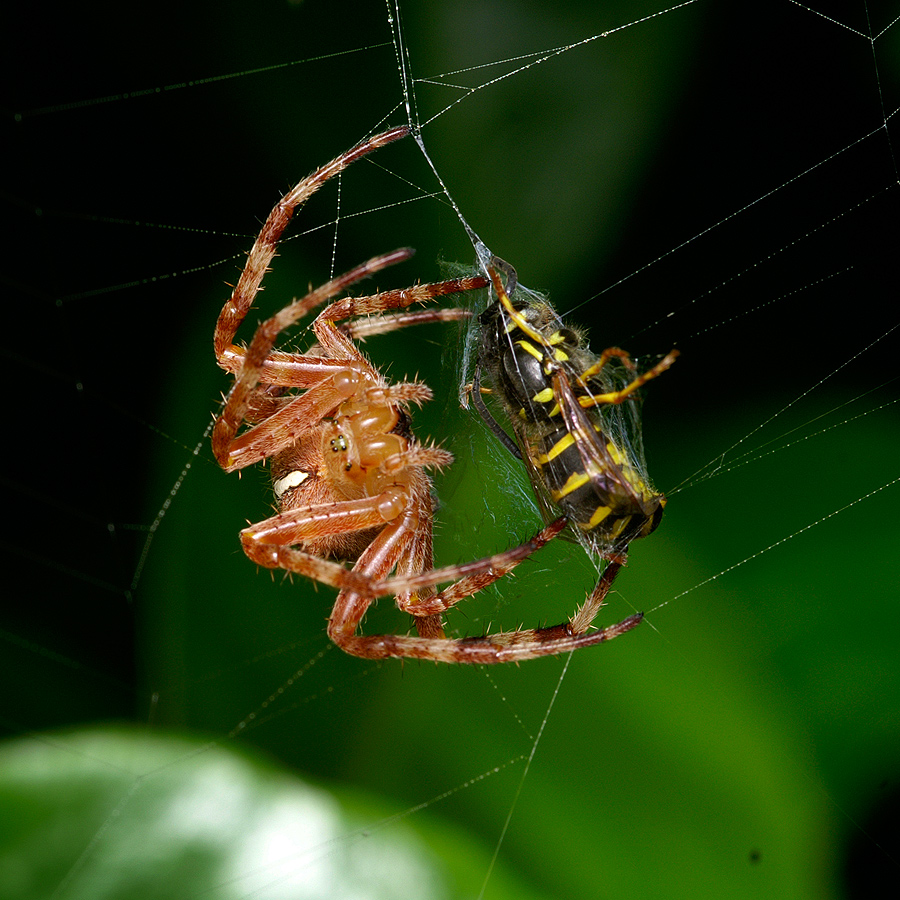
(348, 475)
(575, 417)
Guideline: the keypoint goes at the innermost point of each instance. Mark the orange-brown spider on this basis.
(349, 476)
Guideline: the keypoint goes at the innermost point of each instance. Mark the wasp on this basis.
(575, 418)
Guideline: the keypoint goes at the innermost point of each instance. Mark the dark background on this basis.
(755, 721)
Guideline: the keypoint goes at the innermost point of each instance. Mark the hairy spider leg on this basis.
(247, 378)
(263, 250)
(319, 375)
(269, 544)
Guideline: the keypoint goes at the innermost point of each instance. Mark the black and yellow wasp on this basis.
(575, 419)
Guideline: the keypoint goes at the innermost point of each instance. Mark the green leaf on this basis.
(127, 813)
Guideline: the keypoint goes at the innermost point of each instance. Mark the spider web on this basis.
(720, 180)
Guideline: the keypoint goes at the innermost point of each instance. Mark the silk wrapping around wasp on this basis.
(575, 416)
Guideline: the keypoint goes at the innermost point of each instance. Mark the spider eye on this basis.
(339, 444)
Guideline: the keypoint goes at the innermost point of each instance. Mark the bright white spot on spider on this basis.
(291, 480)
